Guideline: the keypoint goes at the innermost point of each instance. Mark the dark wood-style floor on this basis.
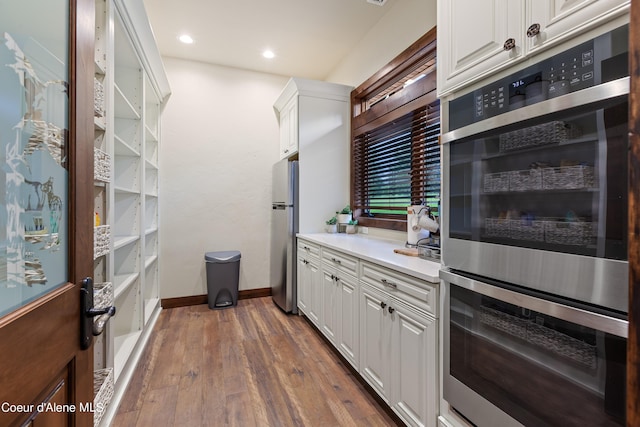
(250, 365)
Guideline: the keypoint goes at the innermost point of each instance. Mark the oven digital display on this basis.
(517, 87)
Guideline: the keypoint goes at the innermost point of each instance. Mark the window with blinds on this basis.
(395, 150)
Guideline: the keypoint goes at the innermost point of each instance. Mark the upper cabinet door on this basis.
(472, 36)
(549, 22)
(289, 129)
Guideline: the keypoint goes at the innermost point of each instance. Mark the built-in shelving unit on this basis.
(129, 71)
(103, 173)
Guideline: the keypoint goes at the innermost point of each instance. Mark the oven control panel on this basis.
(588, 64)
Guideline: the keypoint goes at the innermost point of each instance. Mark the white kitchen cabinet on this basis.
(399, 356)
(472, 34)
(129, 70)
(318, 114)
(309, 281)
(414, 366)
(329, 318)
(340, 303)
(289, 128)
(382, 319)
(562, 19)
(398, 333)
(340, 312)
(471, 39)
(375, 341)
(348, 318)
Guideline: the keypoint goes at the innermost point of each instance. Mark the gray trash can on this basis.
(223, 275)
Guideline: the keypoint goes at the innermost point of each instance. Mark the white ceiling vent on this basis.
(378, 2)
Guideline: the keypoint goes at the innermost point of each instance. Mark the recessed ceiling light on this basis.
(186, 39)
(268, 54)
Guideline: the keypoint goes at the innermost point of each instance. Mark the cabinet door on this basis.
(289, 129)
(315, 291)
(329, 318)
(375, 340)
(471, 39)
(413, 366)
(285, 119)
(309, 288)
(304, 285)
(559, 20)
(292, 148)
(348, 318)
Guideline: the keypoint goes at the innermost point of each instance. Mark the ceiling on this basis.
(309, 38)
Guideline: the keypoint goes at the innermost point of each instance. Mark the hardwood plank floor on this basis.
(251, 365)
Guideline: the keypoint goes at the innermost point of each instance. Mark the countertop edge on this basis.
(379, 251)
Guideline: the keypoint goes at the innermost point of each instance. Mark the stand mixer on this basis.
(423, 231)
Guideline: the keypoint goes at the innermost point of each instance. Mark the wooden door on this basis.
(46, 204)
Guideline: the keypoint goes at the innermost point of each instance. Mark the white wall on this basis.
(219, 140)
(406, 22)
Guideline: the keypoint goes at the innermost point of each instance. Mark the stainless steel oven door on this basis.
(513, 359)
(537, 196)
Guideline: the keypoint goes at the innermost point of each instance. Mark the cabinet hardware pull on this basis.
(533, 30)
(388, 283)
(509, 44)
(391, 310)
(333, 277)
(337, 261)
(306, 248)
(383, 305)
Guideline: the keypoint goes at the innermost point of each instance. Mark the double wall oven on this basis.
(535, 242)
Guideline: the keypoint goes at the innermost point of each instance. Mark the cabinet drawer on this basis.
(308, 248)
(340, 261)
(406, 288)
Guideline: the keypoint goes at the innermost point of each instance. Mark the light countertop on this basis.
(378, 251)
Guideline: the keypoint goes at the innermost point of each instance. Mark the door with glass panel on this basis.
(46, 154)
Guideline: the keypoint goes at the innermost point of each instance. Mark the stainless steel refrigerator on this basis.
(284, 226)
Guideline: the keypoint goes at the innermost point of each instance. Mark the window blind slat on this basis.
(397, 163)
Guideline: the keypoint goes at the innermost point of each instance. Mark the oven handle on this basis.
(586, 318)
(601, 92)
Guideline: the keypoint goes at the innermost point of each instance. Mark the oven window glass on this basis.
(540, 370)
(556, 185)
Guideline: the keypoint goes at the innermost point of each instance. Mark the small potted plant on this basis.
(344, 216)
(351, 226)
(332, 225)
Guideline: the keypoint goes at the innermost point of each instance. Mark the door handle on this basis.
(89, 327)
(100, 322)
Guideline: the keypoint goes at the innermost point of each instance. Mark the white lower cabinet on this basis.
(329, 320)
(348, 319)
(399, 355)
(340, 312)
(309, 281)
(383, 322)
(375, 341)
(414, 366)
